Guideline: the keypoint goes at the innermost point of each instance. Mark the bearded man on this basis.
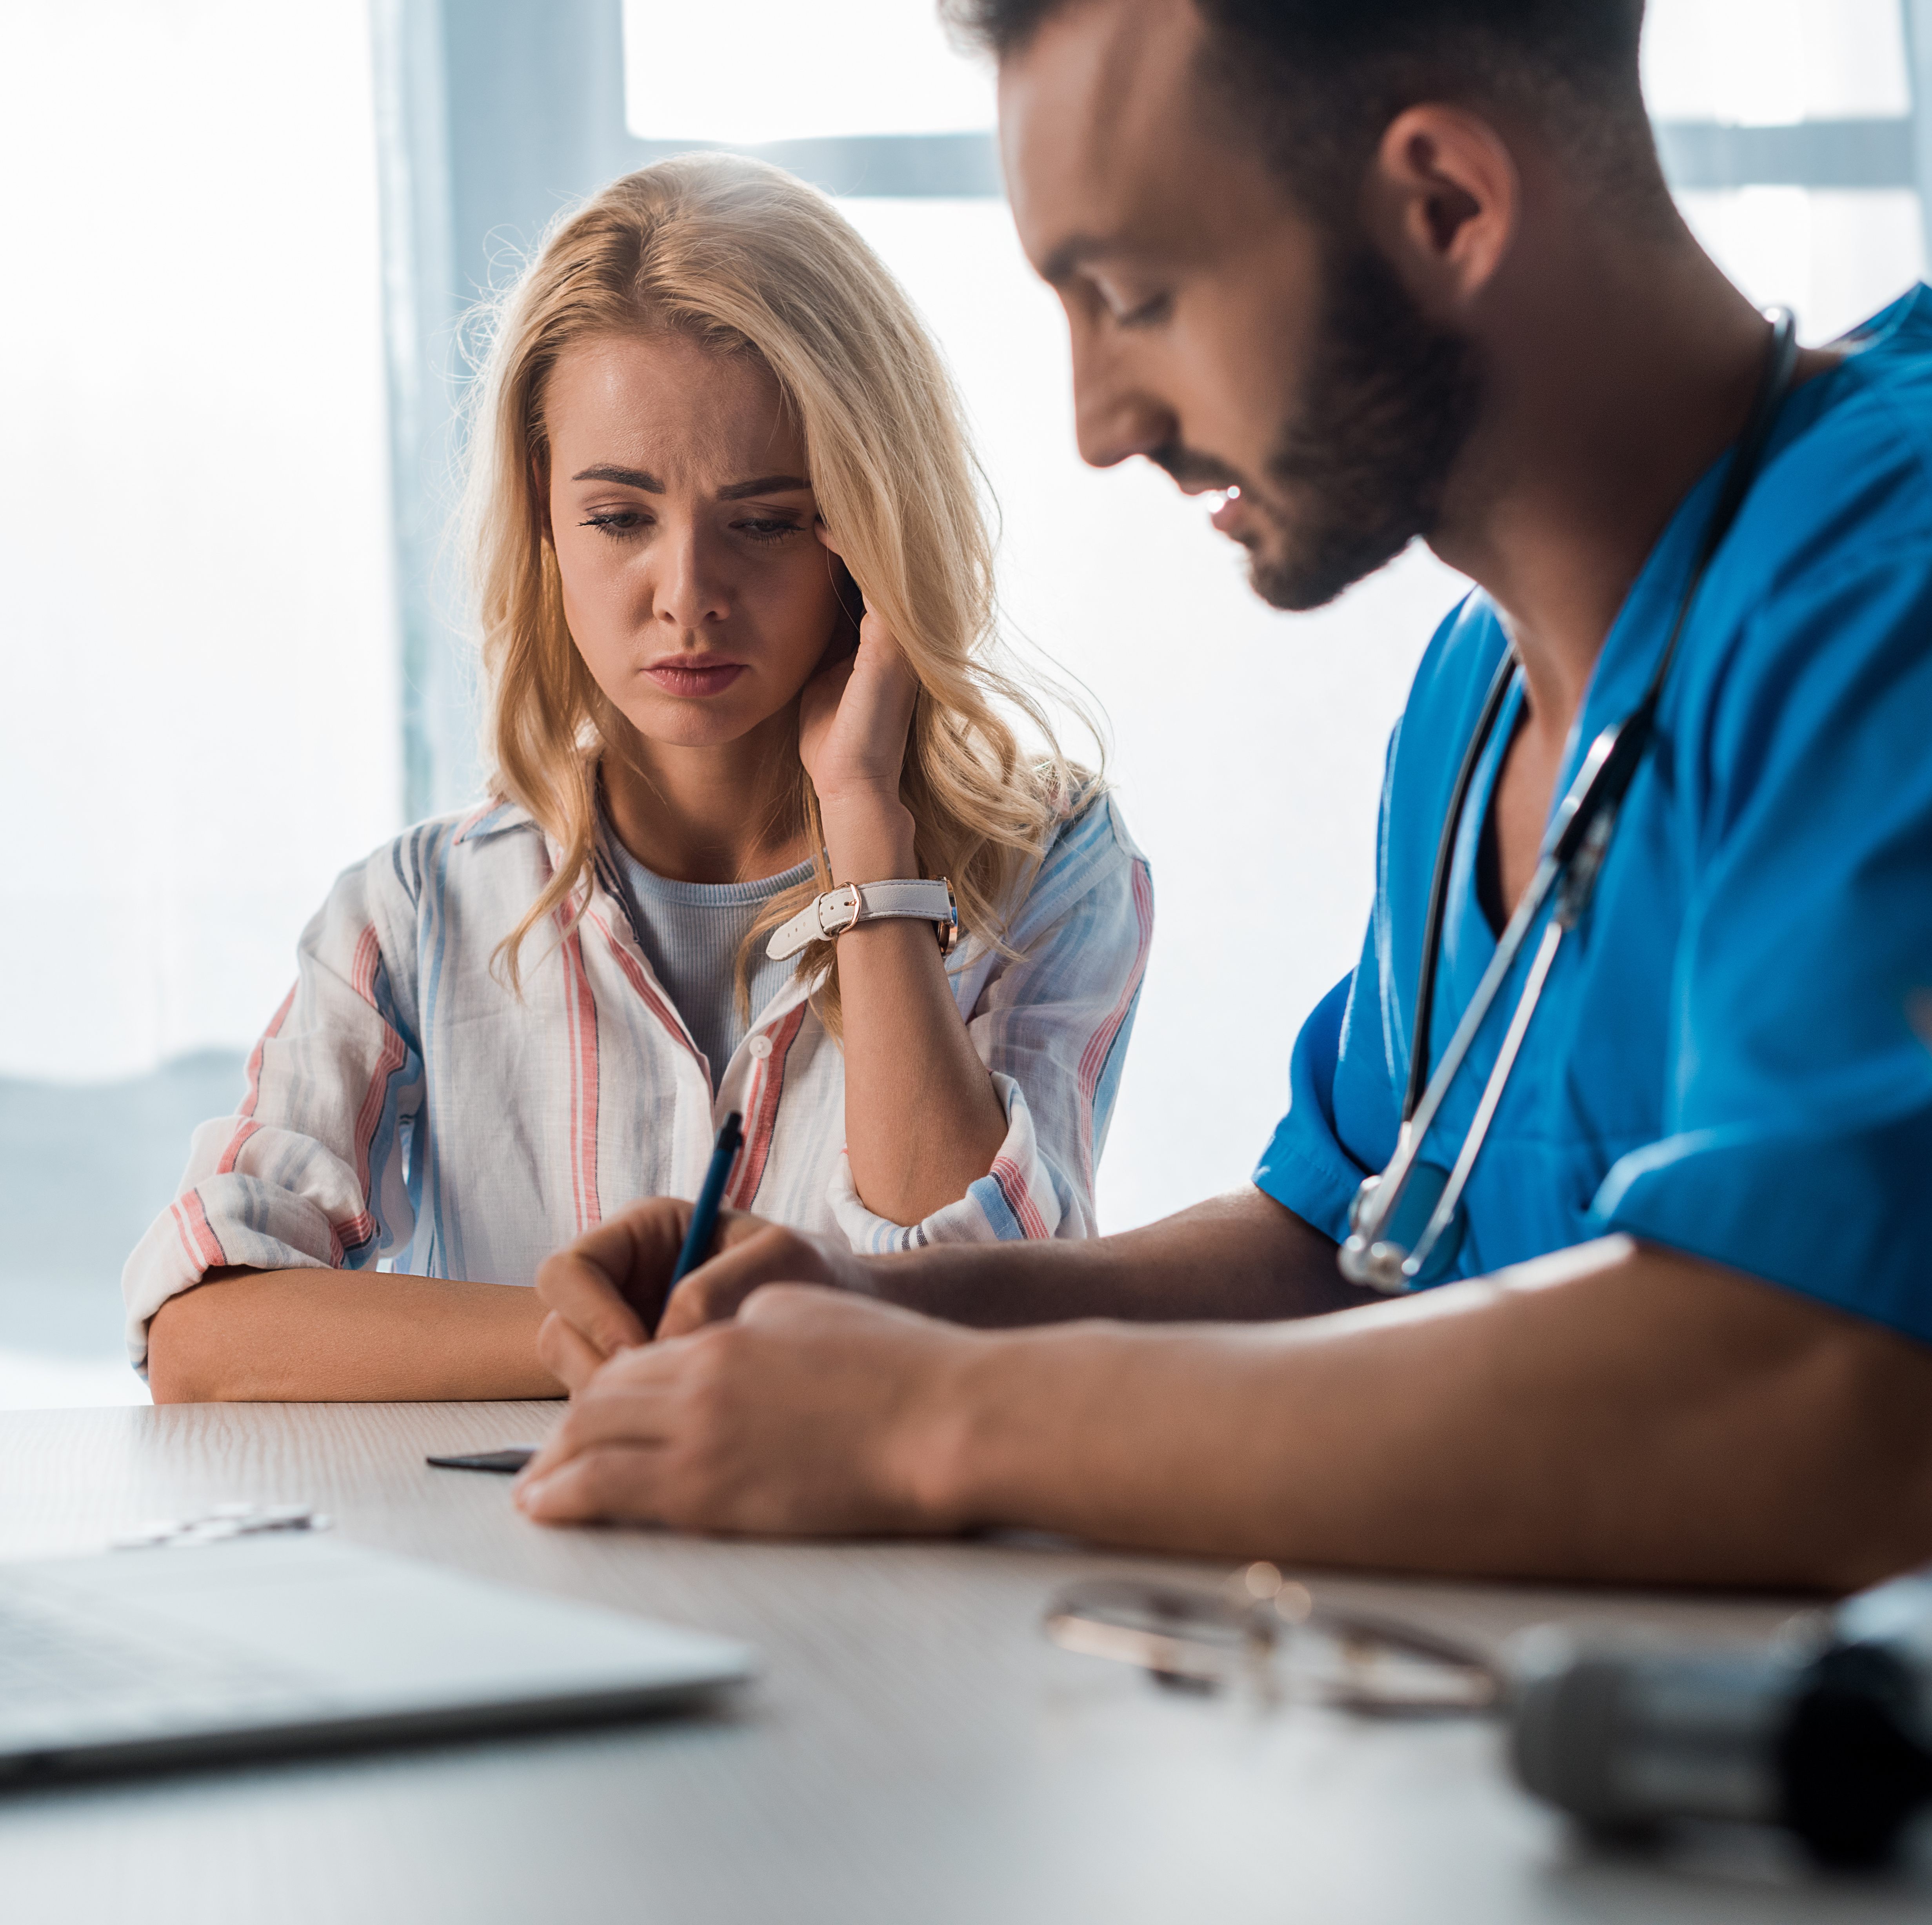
(1642, 1294)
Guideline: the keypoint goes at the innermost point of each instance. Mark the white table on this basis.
(916, 1753)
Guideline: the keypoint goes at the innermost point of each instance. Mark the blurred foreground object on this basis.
(1268, 1631)
(1829, 1735)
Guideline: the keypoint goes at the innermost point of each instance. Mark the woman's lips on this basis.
(694, 678)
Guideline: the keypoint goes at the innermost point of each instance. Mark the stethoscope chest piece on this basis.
(1378, 1254)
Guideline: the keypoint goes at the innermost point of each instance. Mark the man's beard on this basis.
(1387, 405)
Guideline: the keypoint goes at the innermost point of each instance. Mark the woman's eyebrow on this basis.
(641, 478)
(764, 485)
(627, 477)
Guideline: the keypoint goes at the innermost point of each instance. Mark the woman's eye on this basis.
(767, 529)
(614, 521)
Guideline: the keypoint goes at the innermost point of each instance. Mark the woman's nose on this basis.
(689, 591)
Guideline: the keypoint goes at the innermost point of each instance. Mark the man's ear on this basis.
(1443, 199)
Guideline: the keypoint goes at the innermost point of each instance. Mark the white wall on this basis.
(198, 688)
(1834, 258)
(1765, 63)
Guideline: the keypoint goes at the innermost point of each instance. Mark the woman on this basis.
(708, 418)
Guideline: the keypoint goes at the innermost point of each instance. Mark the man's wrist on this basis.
(934, 1459)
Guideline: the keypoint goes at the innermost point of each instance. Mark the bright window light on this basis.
(771, 69)
(1770, 63)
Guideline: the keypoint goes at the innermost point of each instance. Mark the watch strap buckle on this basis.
(827, 917)
(854, 902)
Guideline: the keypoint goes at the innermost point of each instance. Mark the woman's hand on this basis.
(923, 1122)
(852, 719)
(611, 1290)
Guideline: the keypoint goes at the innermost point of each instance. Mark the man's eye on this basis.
(1150, 313)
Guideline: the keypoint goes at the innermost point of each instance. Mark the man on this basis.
(1408, 268)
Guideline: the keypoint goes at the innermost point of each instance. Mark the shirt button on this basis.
(761, 1047)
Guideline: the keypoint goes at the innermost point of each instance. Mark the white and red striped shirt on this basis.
(405, 1105)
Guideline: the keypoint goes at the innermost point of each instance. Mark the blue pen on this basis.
(696, 1241)
(704, 1217)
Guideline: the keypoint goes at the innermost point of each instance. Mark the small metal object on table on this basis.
(915, 1748)
(226, 1521)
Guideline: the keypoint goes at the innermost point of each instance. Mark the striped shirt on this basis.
(691, 933)
(405, 1106)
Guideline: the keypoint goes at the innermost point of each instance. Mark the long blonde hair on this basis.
(742, 258)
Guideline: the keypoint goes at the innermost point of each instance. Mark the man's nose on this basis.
(1115, 413)
(690, 591)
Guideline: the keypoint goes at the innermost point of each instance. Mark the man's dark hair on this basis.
(1315, 83)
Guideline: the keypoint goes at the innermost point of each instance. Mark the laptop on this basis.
(138, 1660)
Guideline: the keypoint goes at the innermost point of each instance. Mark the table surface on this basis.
(914, 1750)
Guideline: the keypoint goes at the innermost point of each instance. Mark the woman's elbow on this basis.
(181, 1364)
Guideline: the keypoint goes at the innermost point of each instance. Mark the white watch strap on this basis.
(838, 909)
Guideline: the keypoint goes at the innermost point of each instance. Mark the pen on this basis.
(704, 1216)
(697, 1241)
(512, 1457)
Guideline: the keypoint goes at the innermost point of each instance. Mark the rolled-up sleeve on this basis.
(1305, 1167)
(1052, 1024)
(309, 1171)
(1799, 1123)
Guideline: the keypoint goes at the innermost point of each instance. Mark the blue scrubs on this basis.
(1724, 1060)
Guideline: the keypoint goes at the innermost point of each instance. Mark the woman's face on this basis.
(695, 586)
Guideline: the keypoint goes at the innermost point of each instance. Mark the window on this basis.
(867, 66)
(1821, 88)
(198, 688)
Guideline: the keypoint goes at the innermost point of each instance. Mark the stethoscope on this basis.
(1406, 1226)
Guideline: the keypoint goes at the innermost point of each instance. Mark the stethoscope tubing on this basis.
(1509, 945)
(1572, 857)
(1443, 1214)
(1491, 713)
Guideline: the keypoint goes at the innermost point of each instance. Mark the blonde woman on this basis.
(736, 598)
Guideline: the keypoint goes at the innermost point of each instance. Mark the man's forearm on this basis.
(349, 1336)
(1237, 1258)
(1644, 1418)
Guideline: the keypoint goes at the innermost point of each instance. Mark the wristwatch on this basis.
(830, 915)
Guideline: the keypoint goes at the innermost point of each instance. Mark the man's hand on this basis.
(1613, 1413)
(606, 1292)
(812, 1412)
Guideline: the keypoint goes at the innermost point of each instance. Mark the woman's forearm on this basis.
(923, 1121)
(345, 1336)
